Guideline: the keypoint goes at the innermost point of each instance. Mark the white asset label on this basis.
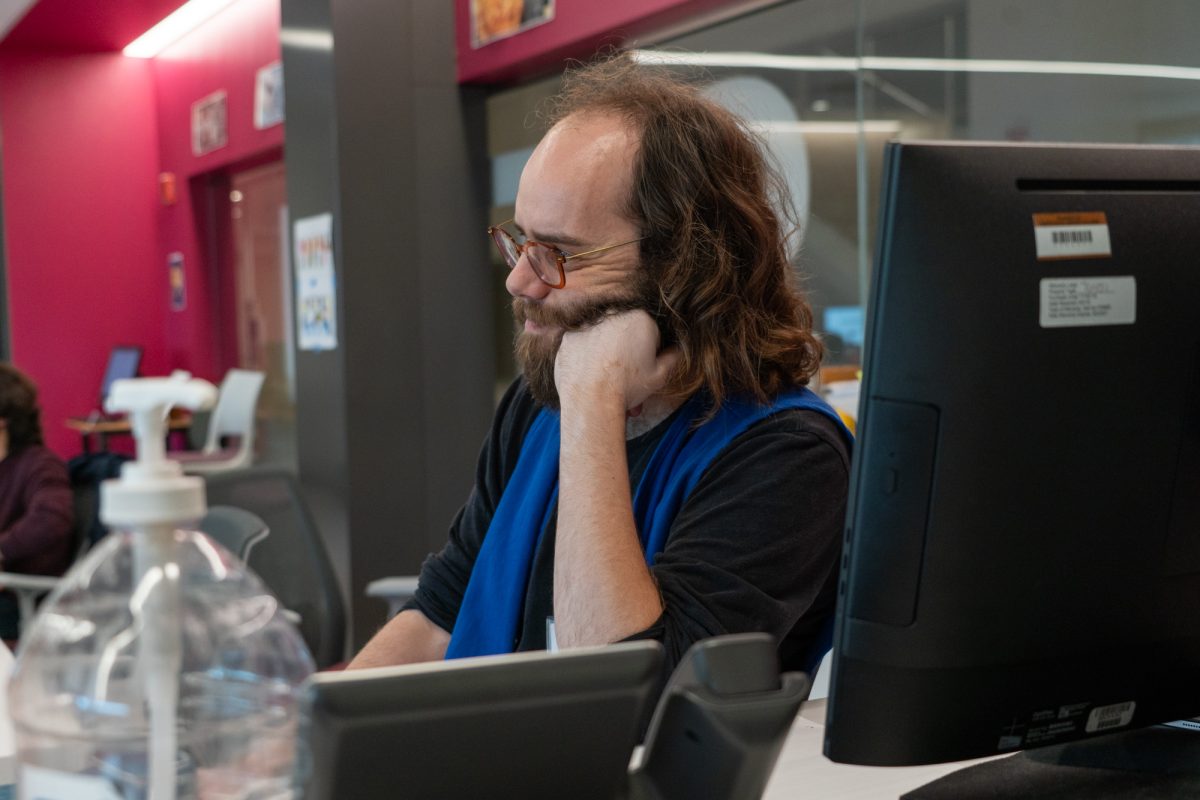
(1117, 715)
(1077, 302)
(1071, 235)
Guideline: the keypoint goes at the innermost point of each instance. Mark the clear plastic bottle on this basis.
(161, 667)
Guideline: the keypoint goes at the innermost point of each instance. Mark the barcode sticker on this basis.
(1059, 236)
(1082, 302)
(1117, 715)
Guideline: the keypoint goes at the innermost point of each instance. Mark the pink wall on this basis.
(80, 159)
(579, 27)
(84, 139)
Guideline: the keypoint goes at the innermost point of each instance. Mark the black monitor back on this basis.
(1023, 543)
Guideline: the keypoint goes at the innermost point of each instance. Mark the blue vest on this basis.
(491, 610)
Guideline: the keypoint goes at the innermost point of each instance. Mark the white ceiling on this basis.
(10, 12)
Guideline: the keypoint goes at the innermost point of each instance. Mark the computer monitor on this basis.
(123, 362)
(1022, 551)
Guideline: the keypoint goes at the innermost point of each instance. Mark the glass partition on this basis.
(828, 82)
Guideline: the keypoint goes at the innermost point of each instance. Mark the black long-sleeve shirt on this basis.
(755, 547)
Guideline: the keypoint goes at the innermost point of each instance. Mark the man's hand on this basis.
(617, 359)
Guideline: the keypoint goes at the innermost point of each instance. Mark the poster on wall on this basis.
(316, 297)
(176, 281)
(492, 20)
(268, 96)
(210, 123)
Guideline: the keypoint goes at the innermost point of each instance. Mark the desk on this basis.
(102, 428)
(802, 770)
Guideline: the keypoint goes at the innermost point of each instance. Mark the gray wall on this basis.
(389, 424)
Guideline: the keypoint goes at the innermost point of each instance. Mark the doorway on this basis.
(263, 303)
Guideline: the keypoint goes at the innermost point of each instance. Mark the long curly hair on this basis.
(713, 211)
(19, 407)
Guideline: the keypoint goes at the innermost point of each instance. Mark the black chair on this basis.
(292, 561)
(235, 528)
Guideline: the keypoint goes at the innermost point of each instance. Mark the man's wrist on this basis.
(593, 400)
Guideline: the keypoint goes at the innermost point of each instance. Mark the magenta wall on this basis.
(80, 159)
(224, 54)
(579, 27)
(84, 139)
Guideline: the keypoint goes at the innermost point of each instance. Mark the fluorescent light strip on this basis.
(752, 60)
(850, 128)
(173, 27)
(885, 64)
(306, 38)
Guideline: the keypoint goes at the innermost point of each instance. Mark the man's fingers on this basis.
(666, 362)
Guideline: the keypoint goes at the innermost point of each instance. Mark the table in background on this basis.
(103, 427)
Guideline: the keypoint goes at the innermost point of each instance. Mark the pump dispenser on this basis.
(160, 668)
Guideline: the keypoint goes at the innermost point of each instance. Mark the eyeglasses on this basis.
(548, 263)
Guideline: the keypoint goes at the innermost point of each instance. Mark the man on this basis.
(658, 471)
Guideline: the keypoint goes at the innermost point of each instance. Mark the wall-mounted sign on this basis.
(268, 96)
(316, 297)
(210, 123)
(499, 19)
(176, 281)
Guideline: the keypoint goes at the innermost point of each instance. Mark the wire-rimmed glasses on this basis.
(548, 262)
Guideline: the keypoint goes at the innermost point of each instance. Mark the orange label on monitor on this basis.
(1071, 218)
(1071, 234)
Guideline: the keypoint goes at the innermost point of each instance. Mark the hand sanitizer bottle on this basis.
(160, 668)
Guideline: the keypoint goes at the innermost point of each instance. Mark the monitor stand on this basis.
(1159, 762)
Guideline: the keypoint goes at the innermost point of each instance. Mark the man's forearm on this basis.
(603, 590)
(408, 638)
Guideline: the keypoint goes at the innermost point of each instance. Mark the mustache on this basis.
(575, 317)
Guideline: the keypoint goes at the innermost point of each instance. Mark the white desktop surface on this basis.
(803, 771)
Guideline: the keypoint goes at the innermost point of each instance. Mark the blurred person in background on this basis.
(36, 507)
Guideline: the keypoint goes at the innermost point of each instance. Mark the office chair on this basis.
(233, 416)
(292, 561)
(236, 529)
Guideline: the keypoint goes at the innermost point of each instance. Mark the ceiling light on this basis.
(306, 38)
(178, 23)
(885, 64)
(848, 127)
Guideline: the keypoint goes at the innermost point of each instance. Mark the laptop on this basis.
(526, 725)
(123, 362)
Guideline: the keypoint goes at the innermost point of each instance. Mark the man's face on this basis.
(571, 196)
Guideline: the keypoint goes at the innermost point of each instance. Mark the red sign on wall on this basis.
(500, 41)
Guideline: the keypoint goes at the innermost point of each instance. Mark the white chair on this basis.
(395, 591)
(233, 416)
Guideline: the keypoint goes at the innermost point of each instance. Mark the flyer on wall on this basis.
(492, 20)
(316, 296)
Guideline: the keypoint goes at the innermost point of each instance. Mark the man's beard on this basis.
(536, 352)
